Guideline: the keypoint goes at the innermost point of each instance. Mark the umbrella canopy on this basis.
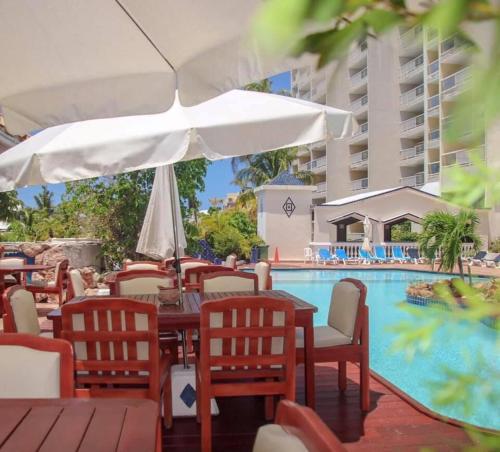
(233, 124)
(157, 240)
(75, 60)
(367, 229)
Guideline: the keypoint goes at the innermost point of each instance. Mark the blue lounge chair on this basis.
(380, 254)
(341, 255)
(366, 257)
(326, 256)
(397, 255)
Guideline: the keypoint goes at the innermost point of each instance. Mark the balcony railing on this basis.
(452, 45)
(359, 157)
(456, 80)
(412, 95)
(433, 70)
(434, 168)
(463, 157)
(317, 163)
(433, 102)
(412, 66)
(434, 135)
(412, 123)
(412, 152)
(362, 129)
(358, 103)
(359, 76)
(411, 36)
(359, 184)
(321, 187)
(359, 51)
(416, 180)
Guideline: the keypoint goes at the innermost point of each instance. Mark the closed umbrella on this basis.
(367, 229)
(71, 60)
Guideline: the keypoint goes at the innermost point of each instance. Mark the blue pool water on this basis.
(456, 348)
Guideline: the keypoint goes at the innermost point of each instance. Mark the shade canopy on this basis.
(233, 124)
(73, 60)
(156, 239)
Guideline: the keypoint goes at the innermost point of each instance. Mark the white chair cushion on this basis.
(344, 307)
(324, 336)
(47, 334)
(24, 310)
(186, 265)
(143, 285)
(230, 261)
(142, 267)
(10, 279)
(228, 284)
(77, 283)
(8, 261)
(30, 373)
(262, 270)
(273, 438)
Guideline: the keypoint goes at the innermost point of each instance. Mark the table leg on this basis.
(57, 327)
(309, 363)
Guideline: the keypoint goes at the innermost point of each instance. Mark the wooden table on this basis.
(187, 317)
(67, 425)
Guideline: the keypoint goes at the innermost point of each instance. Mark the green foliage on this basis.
(44, 200)
(9, 205)
(402, 233)
(495, 245)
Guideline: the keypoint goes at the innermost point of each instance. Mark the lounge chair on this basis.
(491, 260)
(415, 256)
(477, 259)
(380, 254)
(367, 257)
(397, 255)
(326, 256)
(341, 255)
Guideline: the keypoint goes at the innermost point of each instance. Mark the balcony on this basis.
(412, 36)
(453, 50)
(433, 71)
(413, 155)
(412, 68)
(434, 168)
(316, 164)
(450, 86)
(434, 135)
(412, 123)
(359, 184)
(412, 97)
(359, 104)
(359, 77)
(417, 180)
(320, 187)
(361, 133)
(433, 105)
(359, 160)
(359, 52)
(432, 37)
(463, 157)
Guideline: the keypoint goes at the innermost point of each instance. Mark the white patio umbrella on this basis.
(74, 60)
(367, 229)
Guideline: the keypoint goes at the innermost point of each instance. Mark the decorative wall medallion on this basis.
(289, 207)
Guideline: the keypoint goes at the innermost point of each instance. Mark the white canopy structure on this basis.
(74, 60)
(233, 124)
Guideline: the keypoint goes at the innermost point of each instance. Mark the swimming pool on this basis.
(451, 347)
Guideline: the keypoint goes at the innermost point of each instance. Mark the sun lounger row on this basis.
(484, 259)
(365, 257)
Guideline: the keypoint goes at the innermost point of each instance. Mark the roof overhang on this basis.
(404, 216)
(358, 216)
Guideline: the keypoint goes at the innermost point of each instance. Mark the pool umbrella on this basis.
(74, 60)
(367, 229)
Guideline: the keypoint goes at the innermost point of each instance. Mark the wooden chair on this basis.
(346, 337)
(15, 278)
(140, 282)
(169, 261)
(231, 261)
(229, 281)
(193, 275)
(57, 286)
(239, 360)
(192, 263)
(38, 368)
(296, 429)
(20, 314)
(142, 265)
(263, 272)
(117, 350)
(76, 287)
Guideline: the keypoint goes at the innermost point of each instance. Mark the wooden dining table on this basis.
(67, 425)
(187, 317)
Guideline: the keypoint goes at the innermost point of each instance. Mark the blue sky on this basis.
(217, 181)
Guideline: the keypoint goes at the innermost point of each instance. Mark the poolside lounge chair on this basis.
(491, 260)
(380, 254)
(415, 256)
(367, 258)
(477, 259)
(341, 255)
(325, 256)
(397, 255)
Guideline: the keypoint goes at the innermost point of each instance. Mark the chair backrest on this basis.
(324, 253)
(241, 334)
(192, 263)
(229, 281)
(8, 261)
(263, 272)
(341, 254)
(364, 254)
(169, 261)
(231, 261)
(61, 273)
(346, 307)
(480, 255)
(38, 367)
(142, 265)
(380, 252)
(308, 252)
(192, 275)
(20, 311)
(116, 343)
(296, 429)
(397, 251)
(139, 282)
(76, 287)
(413, 253)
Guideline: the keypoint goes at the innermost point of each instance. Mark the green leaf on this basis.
(324, 10)
(379, 20)
(447, 15)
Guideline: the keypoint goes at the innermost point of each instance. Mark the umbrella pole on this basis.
(177, 264)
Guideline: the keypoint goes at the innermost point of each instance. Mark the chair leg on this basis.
(198, 395)
(167, 402)
(269, 408)
(364, 381)
(159, 439)
(342, 375)
(206, 422)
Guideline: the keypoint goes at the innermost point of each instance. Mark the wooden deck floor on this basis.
(391, 425)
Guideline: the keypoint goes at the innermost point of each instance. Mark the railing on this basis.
(432, 34)
(433, 102)
(359, 184)
(412, 152)
(412, 95)
(434, 168)
(452, 45)
(416, 180)
(434, 135)
(317, 163)
(359, 76)
(456, 80)
(412, 123)
(462, 157)
(412, 65)
(363, 128)
(358, 103)
(359, 157)
(320, 187)
(359, 51)
(355, 236)
(411, 36)
(433, 70)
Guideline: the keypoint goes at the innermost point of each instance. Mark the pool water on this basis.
(456, 348)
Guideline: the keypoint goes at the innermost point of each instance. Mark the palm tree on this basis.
(44, 200)
(446, 232)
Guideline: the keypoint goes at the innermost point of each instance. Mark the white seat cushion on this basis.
(344, 307)
(273, 438)
(142, 267)
(262, 270)
(49, 334)
(324, 336)
(228, 284)
(25, 314)
(10, 279)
